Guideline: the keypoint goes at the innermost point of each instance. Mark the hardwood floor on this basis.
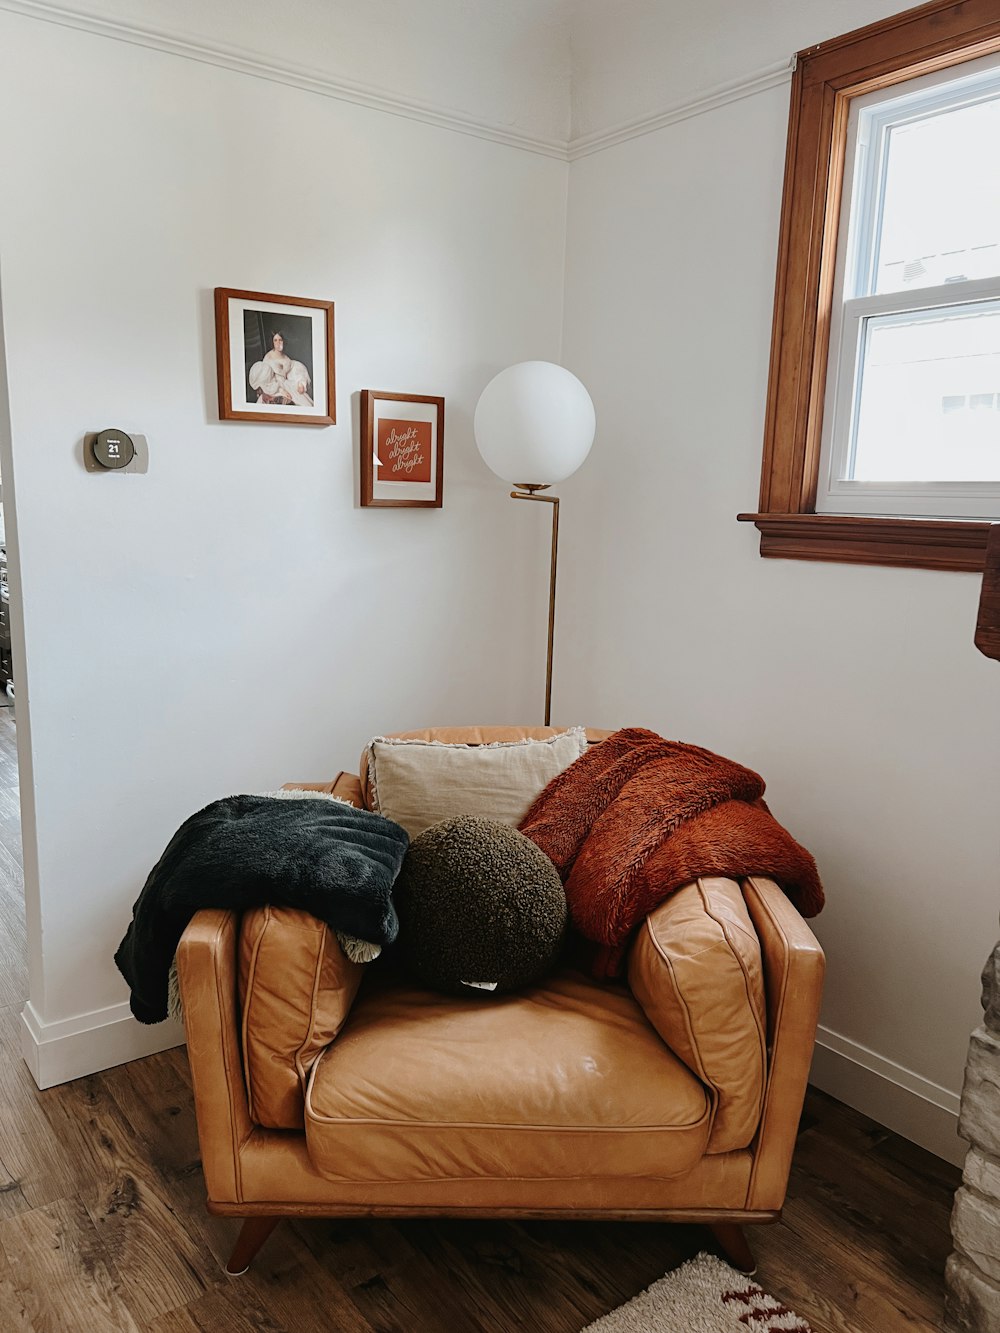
(103, 1226)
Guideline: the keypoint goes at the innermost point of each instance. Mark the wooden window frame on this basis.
(826, 79)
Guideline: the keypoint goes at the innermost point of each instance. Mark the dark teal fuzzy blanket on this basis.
(325, 857)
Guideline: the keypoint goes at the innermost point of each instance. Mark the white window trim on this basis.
(856, 262)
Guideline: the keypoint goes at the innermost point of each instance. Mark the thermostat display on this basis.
(113, 448)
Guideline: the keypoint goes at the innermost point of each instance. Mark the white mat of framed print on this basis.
(275, 358)
(402, 449)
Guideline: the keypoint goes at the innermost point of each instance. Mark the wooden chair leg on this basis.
(734, 1246)
(253, 1234)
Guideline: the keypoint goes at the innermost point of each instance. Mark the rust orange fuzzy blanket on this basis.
(638, 816)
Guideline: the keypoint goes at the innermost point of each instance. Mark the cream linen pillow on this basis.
(419, 783)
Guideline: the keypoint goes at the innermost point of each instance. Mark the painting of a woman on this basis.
(275, 358)
(279, 379)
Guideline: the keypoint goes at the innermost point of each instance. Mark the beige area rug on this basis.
(704, 1295)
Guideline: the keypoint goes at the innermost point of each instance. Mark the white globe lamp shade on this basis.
(534, 423)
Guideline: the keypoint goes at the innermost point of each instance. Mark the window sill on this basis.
(919, 543)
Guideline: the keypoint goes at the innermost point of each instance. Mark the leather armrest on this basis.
(794, 965)
(206, 968)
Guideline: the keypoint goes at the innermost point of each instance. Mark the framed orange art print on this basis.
(402, 449)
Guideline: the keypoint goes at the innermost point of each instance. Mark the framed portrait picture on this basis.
(402, 449)
(275, 358)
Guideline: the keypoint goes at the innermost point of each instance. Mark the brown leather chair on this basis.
(322, 1091)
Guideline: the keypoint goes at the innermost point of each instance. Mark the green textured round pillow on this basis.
(481, 908)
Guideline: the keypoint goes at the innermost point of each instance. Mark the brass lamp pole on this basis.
(526, 491)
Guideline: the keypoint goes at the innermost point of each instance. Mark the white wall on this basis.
(233, 620)
(855, 691)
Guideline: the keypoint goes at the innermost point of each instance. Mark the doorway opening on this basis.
(13, 928)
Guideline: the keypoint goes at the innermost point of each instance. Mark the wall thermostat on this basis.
(113, 448)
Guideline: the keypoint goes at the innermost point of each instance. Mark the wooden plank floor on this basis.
(103, 1226)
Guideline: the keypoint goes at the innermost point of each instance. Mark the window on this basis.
(910, 425)
(882, 441)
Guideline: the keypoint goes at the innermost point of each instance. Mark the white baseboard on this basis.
(905, 1102)
(88, 1043)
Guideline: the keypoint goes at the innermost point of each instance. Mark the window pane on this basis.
(929, 388)
(941, 202)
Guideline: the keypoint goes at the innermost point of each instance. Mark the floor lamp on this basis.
(534, 426)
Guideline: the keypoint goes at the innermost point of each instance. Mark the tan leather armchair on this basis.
(321, 1091)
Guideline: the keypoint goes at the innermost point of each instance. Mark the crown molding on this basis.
(293, 76)
(770, 77)
(250, 63)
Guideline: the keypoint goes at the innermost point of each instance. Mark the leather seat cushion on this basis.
(563, 1081)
